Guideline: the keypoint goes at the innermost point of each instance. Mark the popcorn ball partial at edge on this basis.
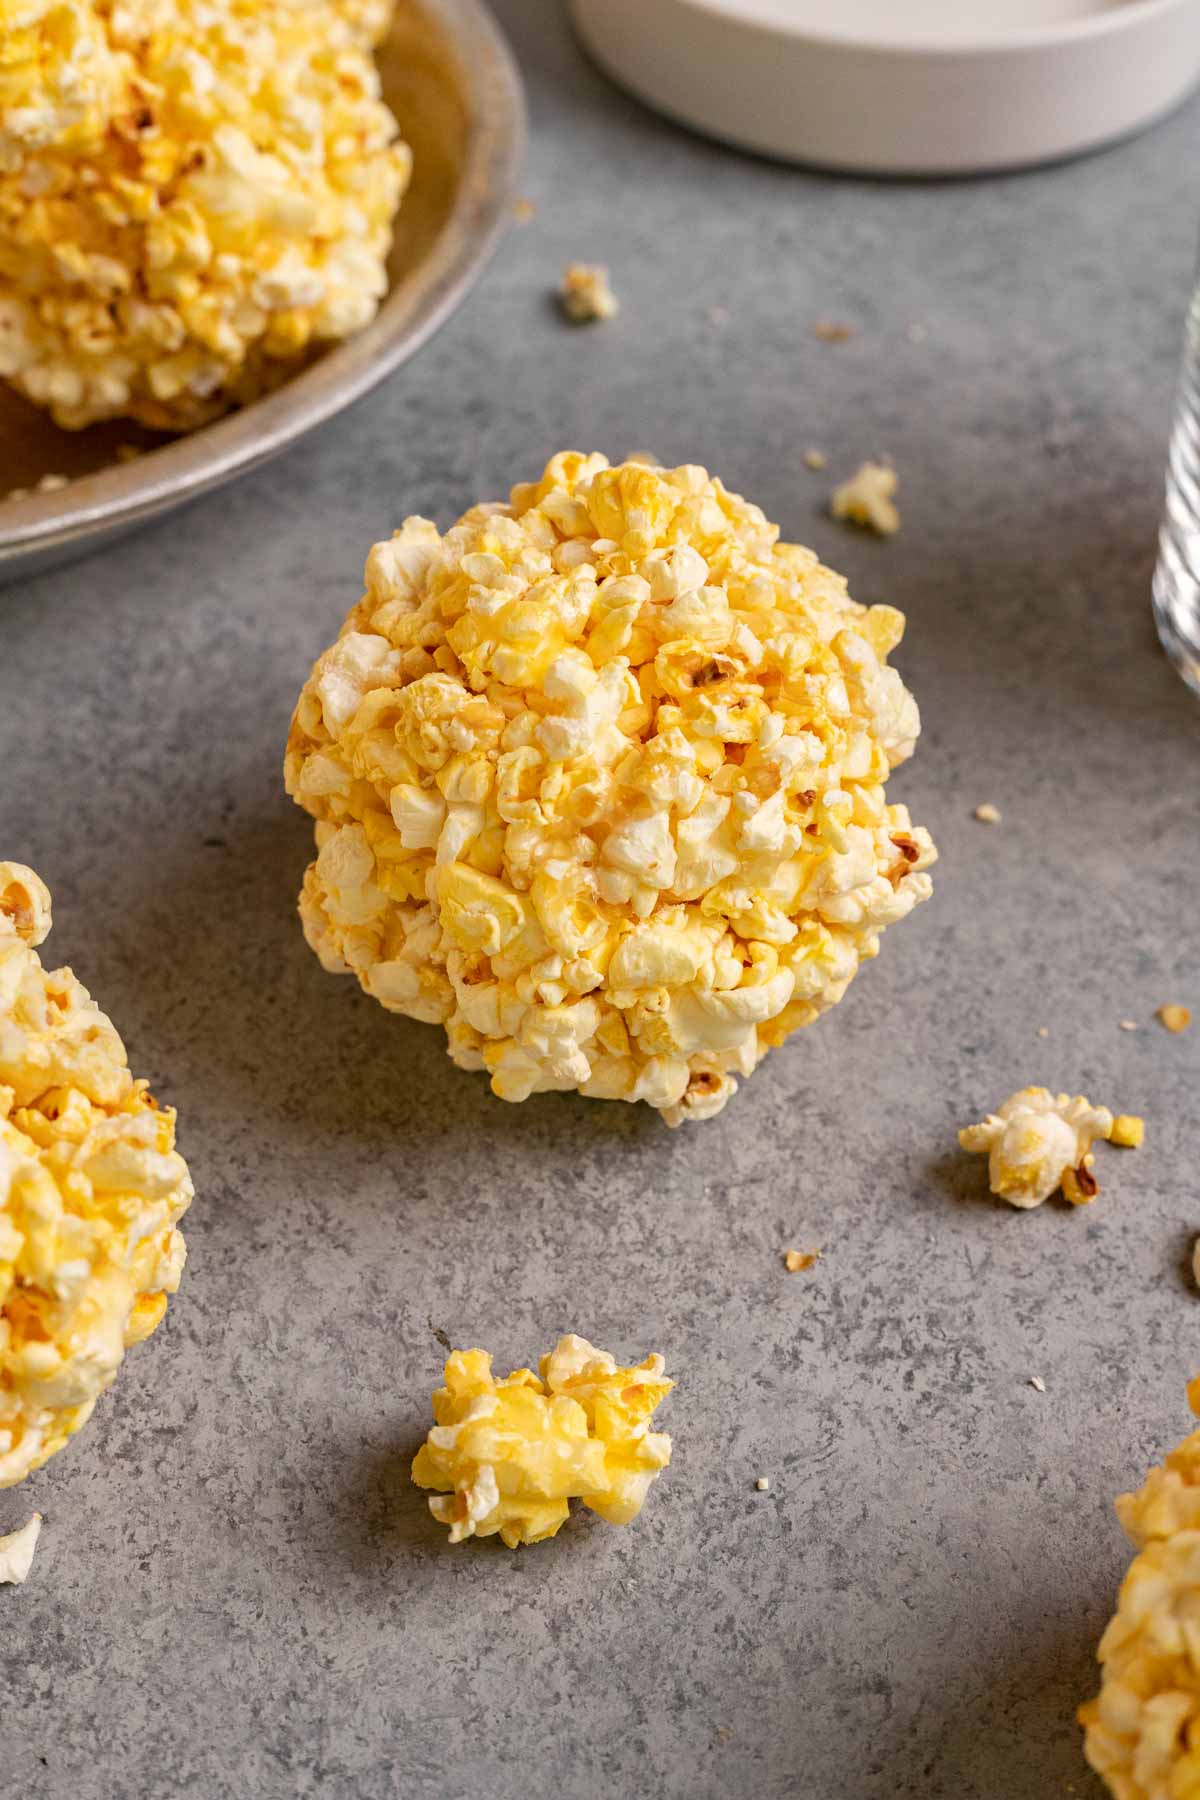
(1039, 1142)
(1142, 1731)
(599, 786)
(91, 1192)
(507, 1456)
(194, 195)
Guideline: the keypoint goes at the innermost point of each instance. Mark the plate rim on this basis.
(47, 527)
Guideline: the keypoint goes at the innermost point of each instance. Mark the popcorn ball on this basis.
(194, 194)
(599, 786)
(91, 1192)
(1038, 1142)
(1142, 1731)
(506, 1456)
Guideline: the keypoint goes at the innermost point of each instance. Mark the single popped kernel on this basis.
(1038, 1142)
(585, 294)
(794, 1261)
(1142, 1731)
(867, 499)
(17, 1551)
(599, 786)
(1175, 1018)
(507, 1456)
(194, 196)
(1035, 1381)
(987, 814)
(763, 1484)
(91, 1192)
(816, 459)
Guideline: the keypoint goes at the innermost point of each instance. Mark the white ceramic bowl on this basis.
(902, 87)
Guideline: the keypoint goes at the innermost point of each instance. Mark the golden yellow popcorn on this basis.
(194, 195)
(1038, 1142)
(867, 499)
(599, 786)
(1142, 1731)
(507, 1456)
(91, 1191)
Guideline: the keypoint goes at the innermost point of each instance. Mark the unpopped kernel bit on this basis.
(866, 499)
(507, 1456)
(1175, 1018)
(832, 331)
(17, 1549)
(987, 814)
(1127, 1024)
(763, 1483)
(816, 459)
(91, 1192)
(193, 197)
(1037, 1142)
(1142, 1731)
(1128, 1131)
(599, 779)
(585, 293)
(1035, 1381)
(795, 1260)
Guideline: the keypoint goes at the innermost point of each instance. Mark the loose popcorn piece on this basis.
(91, 1191)
(194, 194)
(1175, 1018)
(1142, 1731)
(508, 1455)
(16, 1551)
(1196, 1262)
(866, 499)
(815, 459)
(987, 814)
(1127, 1024)
(1035, 1381)
(763, 1484)
(1129, 1132)
(1038, 1142)
(585, 294)
(796, 1260)
(599, 782)
(832, 331)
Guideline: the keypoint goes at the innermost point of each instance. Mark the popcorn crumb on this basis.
(832, 331)
(816, 459)
(523, 211)
(795, 1260)
(987, 814)
(1175, 1018)
(1127, 1024)
(52, 484)
(866, 499)
(1128, 1132)
(1038, 1142)
(763, 1483)
(1043, 1031)
(585, 294)
(578, 1429)
(599, 780)
(1035, 1381)
(17, 1549)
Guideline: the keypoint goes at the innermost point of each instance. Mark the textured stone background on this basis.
(238, 1591)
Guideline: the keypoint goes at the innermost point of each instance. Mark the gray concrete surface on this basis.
(238, 1592)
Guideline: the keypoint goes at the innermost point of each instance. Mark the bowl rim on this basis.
(121, 495)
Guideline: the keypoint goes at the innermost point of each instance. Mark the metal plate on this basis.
(450, 79)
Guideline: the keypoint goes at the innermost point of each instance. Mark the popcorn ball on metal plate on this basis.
(193, 195)
(599, 786)
(1142, 1731)
(91, 1192)
(507, 1456)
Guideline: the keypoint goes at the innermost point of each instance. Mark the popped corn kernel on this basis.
(1142, 1731)
(91, 1192)
(1038, 1142)
(194, 195)
(867, 499)
(599, 786)
(1175, 1018)
(1129, 1132)
(507, 1456)
(17, 1551)
(586, 293)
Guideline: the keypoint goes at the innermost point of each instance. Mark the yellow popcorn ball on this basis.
(91, 1192)
(507, 1456)
(599, 786)
(194, 195)
(1038, 1142)
(1142, 1731)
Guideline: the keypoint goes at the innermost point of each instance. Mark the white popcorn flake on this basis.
(763, 1484)
(987, 814)
(1035, 1381)
(17, 1551)
(1038, 1142)
(867, 499)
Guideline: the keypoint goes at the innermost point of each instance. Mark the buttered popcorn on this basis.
(91, 1192)
(1142, 1731)
(599, 786)
(193, 195)
(507, 1456)
(1038, 1142)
